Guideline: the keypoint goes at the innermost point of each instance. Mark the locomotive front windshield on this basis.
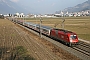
(73, 37)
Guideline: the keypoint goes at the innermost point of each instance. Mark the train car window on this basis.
(73, 36)
(38, 28)
(45, 30)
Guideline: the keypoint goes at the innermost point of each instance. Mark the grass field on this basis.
(80, 25)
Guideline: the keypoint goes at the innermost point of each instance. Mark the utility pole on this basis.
(24, 19)
(40, 26)
(62, 25)
(35, 18)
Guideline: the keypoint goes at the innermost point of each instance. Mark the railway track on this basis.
(83, 47)
(84, 44)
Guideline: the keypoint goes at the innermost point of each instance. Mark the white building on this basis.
(19, 15)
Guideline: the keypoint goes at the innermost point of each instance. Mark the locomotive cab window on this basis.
(73, 37)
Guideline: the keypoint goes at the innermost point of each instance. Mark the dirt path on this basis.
(12, 35)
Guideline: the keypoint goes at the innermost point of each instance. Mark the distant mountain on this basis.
(79, 7)
(7, 6)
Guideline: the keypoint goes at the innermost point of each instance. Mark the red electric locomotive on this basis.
(66, 36)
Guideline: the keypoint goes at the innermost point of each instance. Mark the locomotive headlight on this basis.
(70, 39)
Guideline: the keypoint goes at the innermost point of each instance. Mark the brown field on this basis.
(80, 25)
(12, 35)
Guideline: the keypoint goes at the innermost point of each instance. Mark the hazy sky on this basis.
(47, 6)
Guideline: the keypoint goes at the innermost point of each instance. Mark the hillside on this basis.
(80, 7)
